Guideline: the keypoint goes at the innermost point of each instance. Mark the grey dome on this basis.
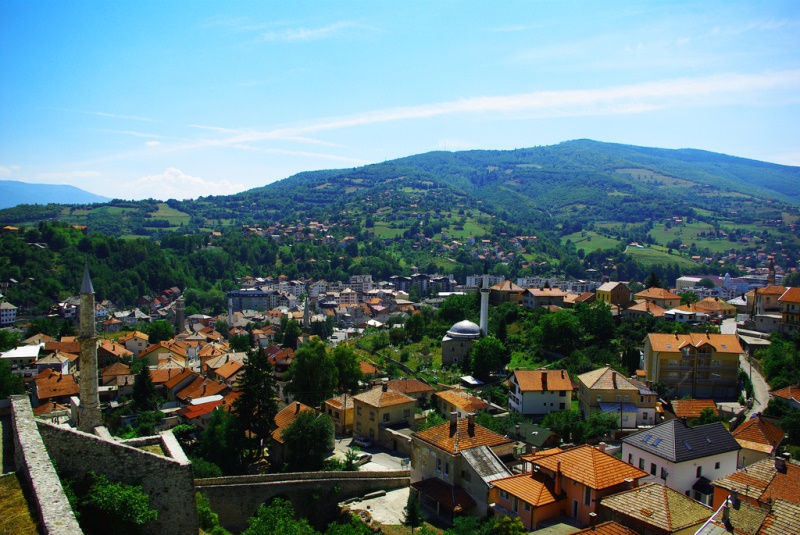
(464, 329)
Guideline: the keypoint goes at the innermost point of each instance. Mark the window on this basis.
(562, 406)
(619, 398)
(630, 458)
(527, 506)
(599, 398)
(385, 416)
(515, 504)
(438, 466)
(562, 394)
(716, 465)
(626, 398)
(358, 410)
(504, 495)
(641, 464)
(653, 469)
(446, 469)
(699, 471)
(372, 415)
(371, 433)
(406, 413)
(587, 496)
(663, 473)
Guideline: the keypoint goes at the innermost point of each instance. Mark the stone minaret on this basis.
(180, 313)
(306, 311)
(230, 312)
(485, 304)
(89, 413)
(771, 273)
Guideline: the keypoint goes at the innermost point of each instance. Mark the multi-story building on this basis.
(453, 464)
(539, 392)
(543, 297)
(361, 283)
(379, 408)
(505, 292)
(790, 310)
(614, 294)
(8, 314)
(697, 365)
(660, 296)
(606, 390)
(682, 457)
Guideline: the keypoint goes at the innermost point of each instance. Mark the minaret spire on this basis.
(89, 412)
(485, 302)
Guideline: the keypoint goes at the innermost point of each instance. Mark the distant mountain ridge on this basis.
(13, 193)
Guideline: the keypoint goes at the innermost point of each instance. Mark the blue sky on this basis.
(187, 98)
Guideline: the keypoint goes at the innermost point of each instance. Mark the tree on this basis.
(792, 279)
(145, 397)
(347, 367)
(313, 374)
(653, 281)
(687, 298)
(10, 383)
(354, 527)
(707, 416)
(415, 327)
(255, 408)
(598, 423)
(308, 440)
(291, 333)
(207, 518)
(222, 442)
(8, 339)
(509, 526)
(160, 330)
(487, 356)
(240, 342)
(277, 517)
(470, 525)
(412, 517)
(705, 282)
(568, 425)
(107, 503)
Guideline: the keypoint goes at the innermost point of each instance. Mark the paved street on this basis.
(382, 459)
(760, 386)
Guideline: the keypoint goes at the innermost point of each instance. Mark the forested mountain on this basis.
(13, 192)
(570, 209)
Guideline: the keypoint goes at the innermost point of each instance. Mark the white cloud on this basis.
(116, 116)
(308, 34)
(6, 171)
(174, 183)
(152, 143)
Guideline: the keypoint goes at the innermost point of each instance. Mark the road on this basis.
(760, 386)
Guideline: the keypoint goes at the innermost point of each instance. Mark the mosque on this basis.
(457, 343)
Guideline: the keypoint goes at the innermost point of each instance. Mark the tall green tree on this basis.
(347, 367)
(487, 356)
(308, 440)
(313, 374)
(277, 518)
(412, 513)
(159, 331)
(255, 408)
(145, 397)
(222, 442)
(291, 334)
(10, 383)
(653, 281)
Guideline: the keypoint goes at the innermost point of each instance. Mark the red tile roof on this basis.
(534, 488)
(463, 400)
(758, 431)
(606, 528)
(534, 380)
(50, 384)
(285, 418)
(691, 408)
(591, 467)
(453, 439)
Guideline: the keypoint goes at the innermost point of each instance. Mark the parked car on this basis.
(362, 442)
(362, 458)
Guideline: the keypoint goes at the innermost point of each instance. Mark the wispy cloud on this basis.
(117, 116)
(132, 133)
(8, 170)
(304, 154)
(152, 143)
(176, 184)
(309, 34)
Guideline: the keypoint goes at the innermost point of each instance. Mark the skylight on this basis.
(646, 438)
(657, 442)
(686, 445)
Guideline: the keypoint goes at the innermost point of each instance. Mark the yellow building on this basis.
(698, 365)
(606, 390)
(380, 408)
(614, 294)
(340, 409)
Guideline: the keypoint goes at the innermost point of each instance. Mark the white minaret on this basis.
(230, 312)
(89, 412)
(485, 305)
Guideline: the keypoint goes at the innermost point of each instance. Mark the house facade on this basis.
(379, 408)
(790, 310)
(539, 392)
(607, 390)
(697, 365)
(682, 457)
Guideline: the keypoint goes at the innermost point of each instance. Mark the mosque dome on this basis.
(464, 329)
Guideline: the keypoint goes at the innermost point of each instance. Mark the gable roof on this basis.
(542, 380)
(658, 506)
(410, 386)
(534, 488)
(461, 436)
(783, 519)
(656, 293)
(507, 286)
(789, 393)
(792, 295)
(724, 343)
(758, 434)
(200, 388)
(229, 369)
(606, 378)
(463, 400)
(50, 384)
(377, 397)
(691, 408)
(591, 467)
(163, 375)
(680, 442)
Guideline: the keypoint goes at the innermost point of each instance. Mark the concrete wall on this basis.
(314, 495)
(37, 472)
(168, 482)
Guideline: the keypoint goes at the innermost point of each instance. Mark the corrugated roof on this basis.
(680, 442)
(485, 463)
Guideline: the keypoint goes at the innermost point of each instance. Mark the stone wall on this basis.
(314, 495)
(38, 474)
(168, 482)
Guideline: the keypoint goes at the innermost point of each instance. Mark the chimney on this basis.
(734, 499)
(614, 379)
(726, 515)
(453, 422)
(558, 478)
(629, 483)
(562, 374)
(593, 520)
(297, 407)
(683, 421)
(471, 424)
(780, 464)
(544, 381)
(601, 447)
(385, 385)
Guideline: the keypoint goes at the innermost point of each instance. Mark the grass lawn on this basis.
(590, 241)
(652, 256)
(175, 217)
(17, 517)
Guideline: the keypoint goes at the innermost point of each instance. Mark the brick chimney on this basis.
(544, 381)
(558, 478)
(453, 422)
(385, 385)
(471, 424)
(297, 407)
(601, 447)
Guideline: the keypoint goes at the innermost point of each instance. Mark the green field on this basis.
(175, 217)
(657, 256)
(590, 241)
(382, 230)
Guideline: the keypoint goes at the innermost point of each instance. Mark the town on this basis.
(643, 411)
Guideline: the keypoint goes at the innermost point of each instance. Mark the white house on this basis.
(539, 392)
(683, 458)
(8, 313)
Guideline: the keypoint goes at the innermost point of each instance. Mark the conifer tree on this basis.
(256, 407)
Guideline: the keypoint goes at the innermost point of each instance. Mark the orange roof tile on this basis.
(790, 393)
(533, 488)
(784, 485)
(453, 439)
(507, 286)
(200, 388)
(606, 528)
(656, 293)
(591, 467)
(723, 343)
(53, 385)
(758, 431)
(376, 397)
(285, 418)
(229, 369)
(534, 380)
(792, 295)
(463, 400)
(174, 378)
(410, 386)
(368, 368)
(691, 408)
